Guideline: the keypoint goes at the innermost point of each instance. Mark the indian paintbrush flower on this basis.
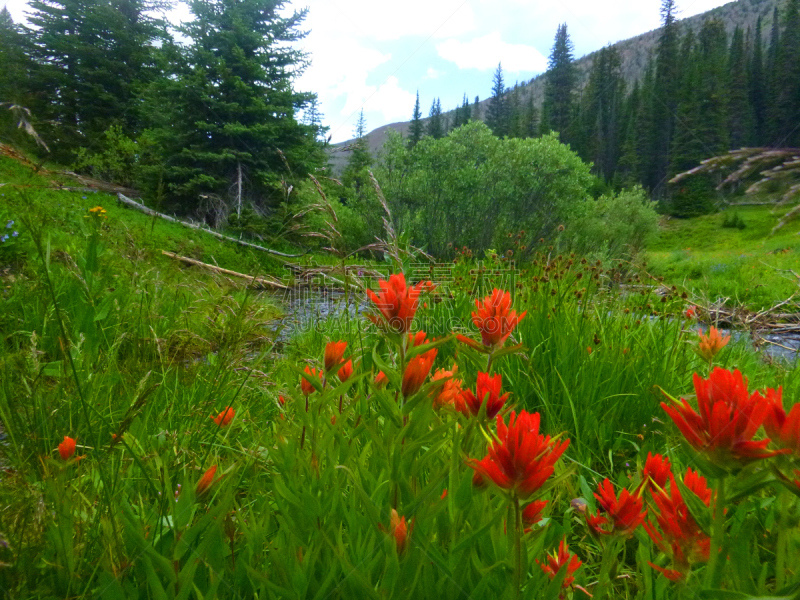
(710, 345)
(488, 390)
(66, 449)
(657, 470)
(305, 383)
(729, 417)
(417, 371)
(346, 371)
(205, 481)
(782, 428)
(381, 380)
(678, 535)
(532, 513)
(558, 560)
(399, 530)
(521, 459)
(397, 303)
(224, 418)
(450, 390)
(495, 320)
(334, 354)
(623, 514)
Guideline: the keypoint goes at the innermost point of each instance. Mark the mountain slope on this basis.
(635, 53)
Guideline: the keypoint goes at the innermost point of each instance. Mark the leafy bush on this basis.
(116, 162)
(473, 188)
(733, 221)
(618, 225)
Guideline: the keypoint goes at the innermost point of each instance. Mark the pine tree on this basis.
(665, 102)
(231, 109)
(773, 80)
(356, 173)
(628, 167)
(787, 75)
(436, 127)
(758, 90)
(602, 112)
(560, 85)
(94, 58)
(415, 130)
(497, 112)
(476, 109)
(714, 91)
(530, 120)
(16, 65)
(466, 110)
(740, 121)
(515, 113)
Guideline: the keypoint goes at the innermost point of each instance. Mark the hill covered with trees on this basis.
(645, 109)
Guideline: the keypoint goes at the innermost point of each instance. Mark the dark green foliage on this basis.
(787, 79)
(665, 97)
(497, 115)
(740, 118)
(758, 91)
(415, 130)
(602, 113)
(356, 174)
(230, 112)
(559, 101)
(93, 60)
(436, 127)
(733, 221)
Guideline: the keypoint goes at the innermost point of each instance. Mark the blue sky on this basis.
(376, 54)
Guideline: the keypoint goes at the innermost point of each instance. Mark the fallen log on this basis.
(149, 211)
(255, 280)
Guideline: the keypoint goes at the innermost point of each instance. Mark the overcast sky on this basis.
(376, 54)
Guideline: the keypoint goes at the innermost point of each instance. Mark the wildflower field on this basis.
(512, 432)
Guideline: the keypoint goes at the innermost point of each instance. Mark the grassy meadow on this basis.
(747, 266)
(341, 487)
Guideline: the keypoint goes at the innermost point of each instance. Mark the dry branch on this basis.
(149, 211)
(270, 283)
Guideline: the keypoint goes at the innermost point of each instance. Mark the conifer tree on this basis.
(560, 85)
(602, 112)
(466, 110)
(665, 94)
(628, 167)
(356, 173)
(773, 79)
(415, 130)
(757, 82)
(476, 109)
(436, 126)
(232, 110)
(740, 119)
(497, 112)
(530, 120)
(94, 58)
(787, 76)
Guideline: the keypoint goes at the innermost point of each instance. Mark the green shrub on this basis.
(733, 221)
(616, 224)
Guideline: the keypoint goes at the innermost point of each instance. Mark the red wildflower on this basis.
(783, 429)
(712, 343)
(381, 380)
(495, 319)
(396, 302)
(691, 312)
(656, 469)
(679, 537)
(562, 558)
(417, 371)
(399, 530)
(729, 418)
(488, 391)
(521, 459)
(224, 418)
(281, 400)
(417, 339)
(205, 481)
(334, 354)
(66, 449)
(346, 371)
(624, 514)
(305, 383)
(450, 390)
(444, 494)
(532, 513)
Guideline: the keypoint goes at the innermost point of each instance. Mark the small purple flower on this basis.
(9, 225)
(83, 197)
(3, 239)
(15, 234)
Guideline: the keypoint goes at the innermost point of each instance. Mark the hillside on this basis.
(634, 52)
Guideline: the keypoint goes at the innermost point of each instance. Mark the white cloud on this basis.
(432, 73)
(485, 52)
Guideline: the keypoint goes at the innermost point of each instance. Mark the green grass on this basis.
(107, 341)
(747, 267)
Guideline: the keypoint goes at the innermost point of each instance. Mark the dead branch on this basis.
(262, 281)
